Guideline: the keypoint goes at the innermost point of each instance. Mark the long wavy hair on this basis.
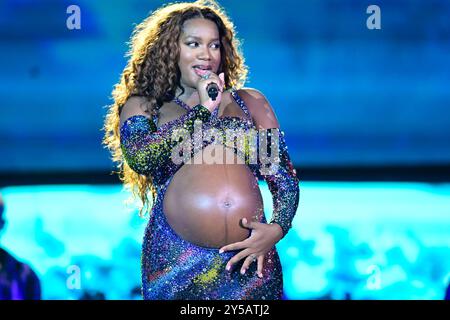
(152, 72)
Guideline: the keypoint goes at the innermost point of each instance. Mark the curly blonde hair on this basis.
(152, 72)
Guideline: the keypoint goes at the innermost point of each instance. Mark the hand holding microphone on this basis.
(210, 88)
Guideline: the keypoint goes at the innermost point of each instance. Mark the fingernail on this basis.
(228, 267)
(243, 271)
(244, 220)
(221, 251)
(260, 275)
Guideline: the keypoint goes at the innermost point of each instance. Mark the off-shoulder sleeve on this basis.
(281, 177)
(144, 146)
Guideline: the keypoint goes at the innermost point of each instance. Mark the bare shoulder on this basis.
(260, 108)
(135, 105)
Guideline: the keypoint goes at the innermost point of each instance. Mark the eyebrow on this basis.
(198, 38)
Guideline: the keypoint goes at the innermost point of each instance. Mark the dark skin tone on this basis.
(199, 45)
(263, 236)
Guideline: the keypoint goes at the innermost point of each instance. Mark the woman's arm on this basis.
(283, 182)
(143, 145)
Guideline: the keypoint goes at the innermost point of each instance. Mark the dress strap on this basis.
(187, 108)
(240, 102)
(181, 104)
(155, 118)
(236, 97)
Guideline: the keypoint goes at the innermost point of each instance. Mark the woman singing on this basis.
(207, 237)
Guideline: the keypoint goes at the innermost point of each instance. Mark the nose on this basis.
(204, 54)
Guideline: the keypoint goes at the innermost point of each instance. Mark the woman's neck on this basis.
(189, 96)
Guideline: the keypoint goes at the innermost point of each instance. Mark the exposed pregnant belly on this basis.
(204, 203)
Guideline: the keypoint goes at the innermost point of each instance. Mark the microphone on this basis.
(213, 90)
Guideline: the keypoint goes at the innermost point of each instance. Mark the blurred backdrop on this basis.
(366, 115)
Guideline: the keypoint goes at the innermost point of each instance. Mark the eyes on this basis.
(195, 44)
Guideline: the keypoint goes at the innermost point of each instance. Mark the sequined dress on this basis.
(173, 268)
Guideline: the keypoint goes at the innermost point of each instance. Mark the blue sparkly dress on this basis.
(173, 268)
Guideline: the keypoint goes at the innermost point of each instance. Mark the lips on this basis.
(201, 73)
(202, 70)
(203, 67)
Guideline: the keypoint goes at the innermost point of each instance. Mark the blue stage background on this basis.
(344, 95)
(361, 240)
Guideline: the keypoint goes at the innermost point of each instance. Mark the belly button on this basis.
(227, 203)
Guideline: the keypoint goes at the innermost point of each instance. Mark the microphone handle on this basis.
(213, 90)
